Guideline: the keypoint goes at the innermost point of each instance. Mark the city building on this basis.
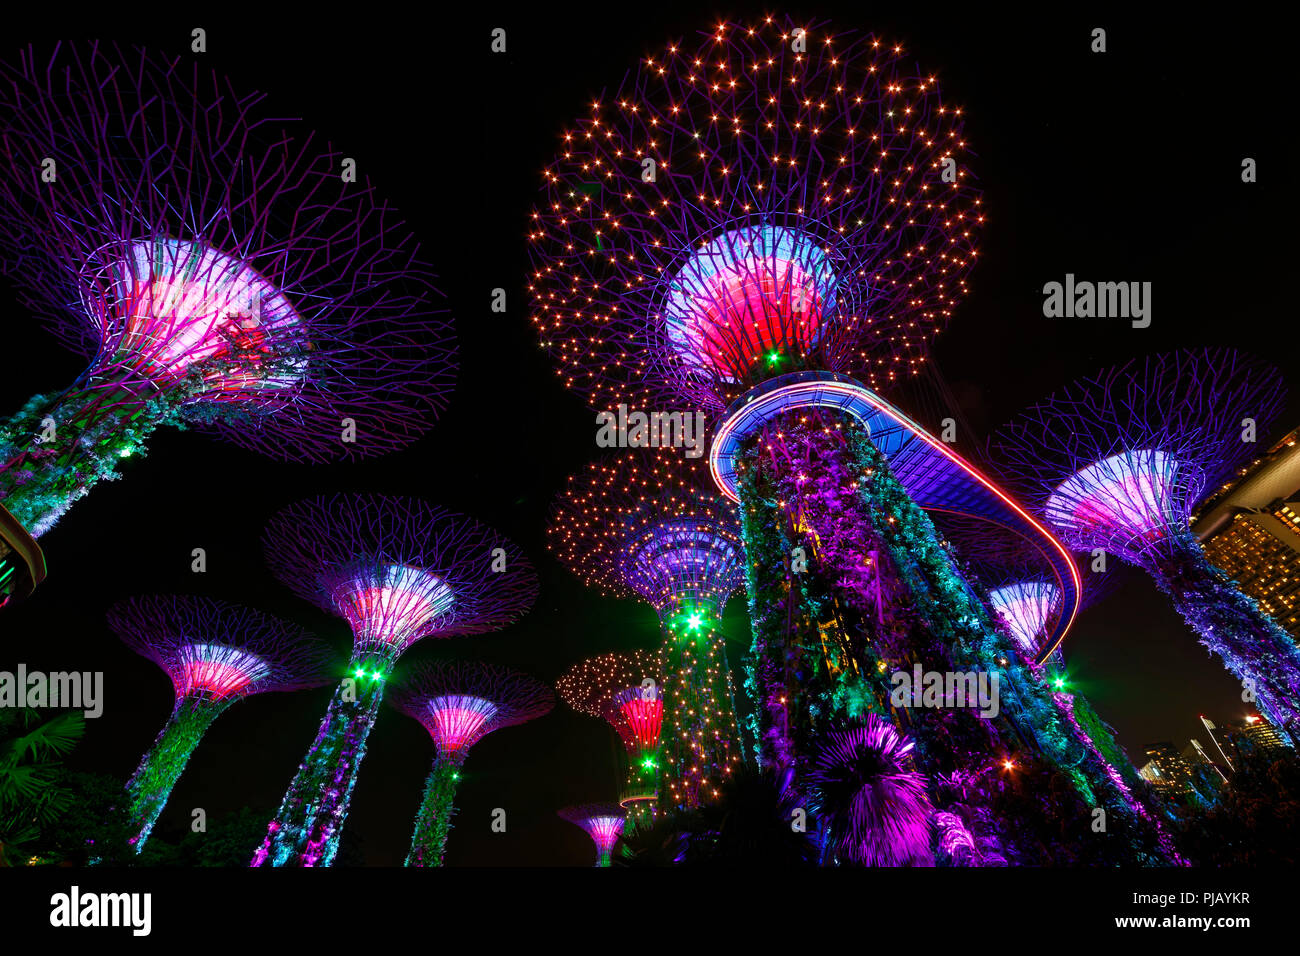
(1250, 528)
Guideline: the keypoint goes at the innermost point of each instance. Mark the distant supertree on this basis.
(215, 653)
(872, 801)
(637, 526)
(1118, 461)
(219, 269)
(603, 822)
(397, 570)
(771, 223)
(459, 704)
(625, 688)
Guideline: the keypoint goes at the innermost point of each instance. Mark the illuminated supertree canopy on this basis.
(765, 199)
(1118, 461)
(638, 526)
(397, 570)
(603, 822)
(459, 704)
(218, 269)
(214, 653)
(624, 688)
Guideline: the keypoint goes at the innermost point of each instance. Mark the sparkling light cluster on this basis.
(625, 689)
(622, 688)
(640, 525)
(766, 198)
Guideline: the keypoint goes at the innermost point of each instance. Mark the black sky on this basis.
(1122, 166)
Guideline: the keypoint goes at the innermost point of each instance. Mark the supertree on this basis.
(603, 822)
(637, 526)
(219, 269)
(770, 224)
(625, 688)
(397, 570)
(1117, 462)
(459, 704)
(215, 653)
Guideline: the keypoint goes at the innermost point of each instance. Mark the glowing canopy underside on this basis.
(936, 477)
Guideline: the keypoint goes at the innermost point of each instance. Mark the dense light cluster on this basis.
(767, 198)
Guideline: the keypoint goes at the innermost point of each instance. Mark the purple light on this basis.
(168, 307)
(1130, 496)
(604, 831)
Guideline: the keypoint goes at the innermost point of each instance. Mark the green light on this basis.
(773, 358)
(1059, 682)
(695, 622)
(648, 763)
(455, 775)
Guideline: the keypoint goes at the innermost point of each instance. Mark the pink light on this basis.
(393, 605)
(643, 709)
(215, 671)
(749, 292)
(749, 309)
(1027, 607)
(181, 306)
(458, 722)
(604, 832)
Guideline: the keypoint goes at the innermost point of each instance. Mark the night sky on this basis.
(1116, 167)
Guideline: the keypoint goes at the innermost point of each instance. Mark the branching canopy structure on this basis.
(603, 822)
(214, 653)
(460, 703)
(760, 199)
(215, 266)
(1118, 461)
(625, 689)
(397, 570)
